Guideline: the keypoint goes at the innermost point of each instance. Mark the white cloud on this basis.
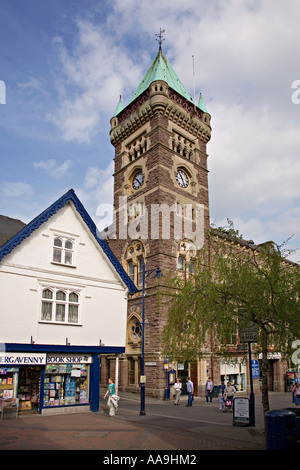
(16, 190)
(96, 192)
(32, 84)
(245, 63)
(249, 164)
(94, 74)
(52, 168)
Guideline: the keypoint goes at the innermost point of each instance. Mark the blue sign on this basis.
(255, 369)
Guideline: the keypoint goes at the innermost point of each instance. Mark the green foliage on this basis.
(233, 279)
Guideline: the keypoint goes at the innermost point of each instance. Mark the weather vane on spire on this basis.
(160, 38)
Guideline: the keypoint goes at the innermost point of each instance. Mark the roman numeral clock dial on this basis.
(137, 180)
(182, 179)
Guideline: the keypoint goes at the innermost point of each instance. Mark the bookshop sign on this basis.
(69, 359)
(22, 359)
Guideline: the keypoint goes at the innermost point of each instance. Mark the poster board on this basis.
(241, 414)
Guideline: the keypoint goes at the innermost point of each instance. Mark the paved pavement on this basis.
(164, 427)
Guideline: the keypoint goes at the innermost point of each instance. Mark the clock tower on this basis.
(161, 206)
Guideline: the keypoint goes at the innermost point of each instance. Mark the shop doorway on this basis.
(29, 388)
(182, 374)
(194, 377)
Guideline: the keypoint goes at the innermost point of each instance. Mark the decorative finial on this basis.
(160, 38)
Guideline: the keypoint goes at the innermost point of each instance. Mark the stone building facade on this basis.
(161, 206)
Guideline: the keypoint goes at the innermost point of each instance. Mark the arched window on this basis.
(186, 252)
(134, 330)
(60, 306)
(63, 251)
(135, 262)
(47, 297)
(73, 308)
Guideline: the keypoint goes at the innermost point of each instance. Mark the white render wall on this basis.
(29, 268)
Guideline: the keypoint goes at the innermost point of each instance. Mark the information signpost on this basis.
(249, 334)
(255, 369)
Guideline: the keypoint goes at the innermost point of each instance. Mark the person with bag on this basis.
(228, 396)
(113, 398)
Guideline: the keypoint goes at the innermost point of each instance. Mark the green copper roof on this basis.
(119, 107)
(161, 69)
(201, 104)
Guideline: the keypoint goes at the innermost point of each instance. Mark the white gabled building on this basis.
(63, 301)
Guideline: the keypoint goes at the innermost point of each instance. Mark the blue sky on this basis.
(65, 63)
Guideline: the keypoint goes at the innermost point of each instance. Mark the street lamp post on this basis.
(143, 383)
(252, 400)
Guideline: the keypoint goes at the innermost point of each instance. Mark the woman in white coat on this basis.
(177, 387)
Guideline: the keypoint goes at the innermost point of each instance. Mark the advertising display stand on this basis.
(241, 414)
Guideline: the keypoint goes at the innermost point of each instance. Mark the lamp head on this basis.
(158, 273)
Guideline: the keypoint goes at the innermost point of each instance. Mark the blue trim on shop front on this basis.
(95, 383)
(51, 348)
(94, 376)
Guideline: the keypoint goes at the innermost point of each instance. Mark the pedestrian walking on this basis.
(221, 402)
(296, 393)
(190, 391)
(229, 390)
(228, 396)
(209, 390)
(297, 380)
(178, 388)
(113, 398)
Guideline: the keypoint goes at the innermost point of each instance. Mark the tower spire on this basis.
(160, 38)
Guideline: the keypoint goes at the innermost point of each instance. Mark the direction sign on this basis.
(255, 369)
(248, 332)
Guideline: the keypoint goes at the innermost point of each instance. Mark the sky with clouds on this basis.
(64, 64)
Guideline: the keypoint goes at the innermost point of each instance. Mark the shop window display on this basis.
(7, 380)
(29, 388)
(66, 384)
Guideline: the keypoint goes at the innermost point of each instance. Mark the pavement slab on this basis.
(165, 427)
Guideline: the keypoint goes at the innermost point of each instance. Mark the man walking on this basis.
(190, 391)
(209, 390)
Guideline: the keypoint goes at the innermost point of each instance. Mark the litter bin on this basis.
(280, 430)
(297, 413)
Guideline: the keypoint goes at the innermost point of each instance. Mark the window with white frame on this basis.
(135, 262)
(60, 306)
(131, 270)
(63, 251)
(186, 257)
(140, 270)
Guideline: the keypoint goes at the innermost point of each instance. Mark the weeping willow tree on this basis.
(233, 281)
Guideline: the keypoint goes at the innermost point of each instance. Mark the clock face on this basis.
(137, 180)
(182, 179)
